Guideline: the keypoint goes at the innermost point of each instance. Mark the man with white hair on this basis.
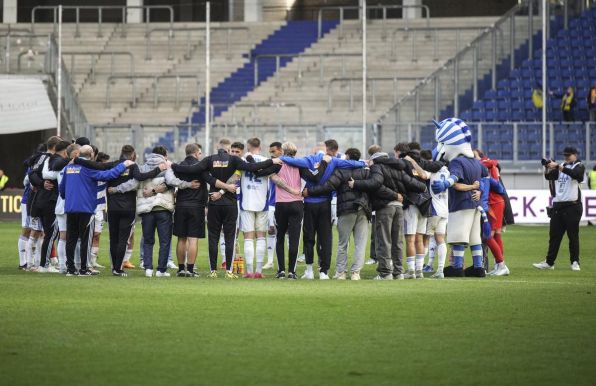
(79, 188)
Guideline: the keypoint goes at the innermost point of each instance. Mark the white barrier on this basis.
(529, 205)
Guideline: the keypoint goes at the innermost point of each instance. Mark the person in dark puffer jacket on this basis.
(353, 211)
(392, 174)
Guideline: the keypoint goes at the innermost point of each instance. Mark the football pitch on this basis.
(531, 328)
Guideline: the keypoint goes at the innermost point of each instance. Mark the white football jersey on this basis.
(254, 191)
(440, 201)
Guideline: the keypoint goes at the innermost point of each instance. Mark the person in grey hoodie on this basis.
(155, 206)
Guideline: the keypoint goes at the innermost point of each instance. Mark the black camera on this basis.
(545, 161)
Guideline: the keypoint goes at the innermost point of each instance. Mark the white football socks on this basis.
(62, 254)
(249, 254)
(271, 240)
(419, 262)
(411, 263)
(22, 250)
(261, 248)
(442, 253)
(432, 247)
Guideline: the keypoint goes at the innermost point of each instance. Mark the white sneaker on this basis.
(575, 266)
(149, 272)
(419, 274)
(410, 275)
(323, 276)
(399, 277)
(301, 258)
(268, 265)
(141, 265)
(162, 274)
(97, 265)
(370, 262)
(495, 269)
(171, 265)
(308, 275)
(52, 269)
(355, 275)
(340, 276)
(379, 277)
(54, 261)
(42, 270)
(501, 270)
(438, 275)
(543, 265)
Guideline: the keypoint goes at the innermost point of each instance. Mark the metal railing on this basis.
(450, 71)
(373, 82)
(383, 9)
(171, 34)
(278, 57)
(435, 40)
(100, 8)
(76, 120)
(446, 86)
(156, 92)
(254, 106)
(8, 46)
(94, 55)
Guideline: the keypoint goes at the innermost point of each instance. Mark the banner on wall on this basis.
(529, 206)
(24, 105)
(10, 204)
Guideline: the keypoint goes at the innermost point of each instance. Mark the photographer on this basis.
(566, 212)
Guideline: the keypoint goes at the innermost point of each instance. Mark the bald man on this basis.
(78, 188)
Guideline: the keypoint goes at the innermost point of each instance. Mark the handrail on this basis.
(373, 80)
(384, 8)
(277, 105)
(73, 54)
(470, 46)
(100, 9)
(148, 45)
(413, 30)
(76, 119)
(300, 56)
(9, 35)
(156, 79)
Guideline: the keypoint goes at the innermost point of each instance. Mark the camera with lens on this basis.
(545, 161)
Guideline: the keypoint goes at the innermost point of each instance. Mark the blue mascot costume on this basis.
(465, 217)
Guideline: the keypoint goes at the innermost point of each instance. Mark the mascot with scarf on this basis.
(464, 225)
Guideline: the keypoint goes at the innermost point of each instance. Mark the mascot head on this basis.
(453, 139)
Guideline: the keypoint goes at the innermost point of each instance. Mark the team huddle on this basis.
(431, 199)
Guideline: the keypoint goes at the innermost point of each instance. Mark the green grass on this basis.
(532, 327)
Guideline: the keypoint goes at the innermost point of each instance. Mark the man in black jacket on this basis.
(223, 209)
(392, 174)
(353, 213)
(43, 204)
(189, 216)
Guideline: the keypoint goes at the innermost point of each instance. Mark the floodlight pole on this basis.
(207, 76)
(544, 86)
(59, 75)
(364, 72)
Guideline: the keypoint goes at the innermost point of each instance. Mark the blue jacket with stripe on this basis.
(79, 186)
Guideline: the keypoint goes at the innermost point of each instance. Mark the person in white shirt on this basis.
(437, 224)
(254, 212)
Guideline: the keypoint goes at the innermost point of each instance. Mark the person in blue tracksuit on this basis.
(79, 190)
(317, 210)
